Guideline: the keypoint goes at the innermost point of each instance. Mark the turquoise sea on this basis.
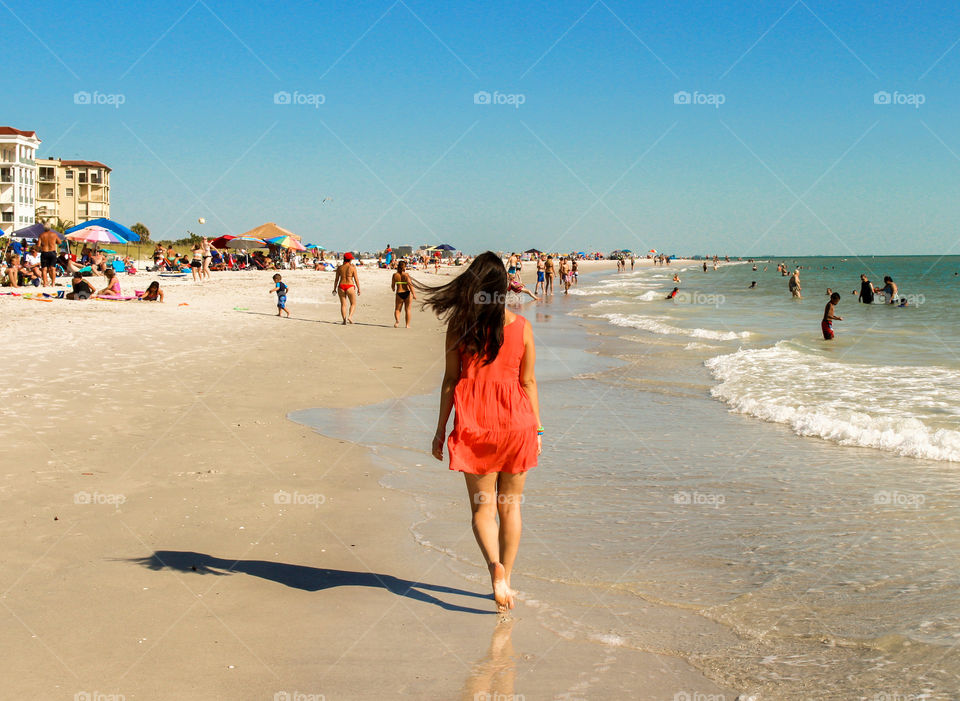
(721, 484)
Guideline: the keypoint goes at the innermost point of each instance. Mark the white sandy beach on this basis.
(170, 534)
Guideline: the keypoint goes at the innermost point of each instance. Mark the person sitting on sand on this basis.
(66, 262)
(496, 435)
(81, 288)
(347, 286)
(400, 283)
(113, 285)
(98, 263)
(153, 293)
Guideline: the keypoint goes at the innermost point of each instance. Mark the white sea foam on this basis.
(910, 411)
(655, 325)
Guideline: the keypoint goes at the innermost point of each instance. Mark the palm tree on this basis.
(61, 225)
(142, 231)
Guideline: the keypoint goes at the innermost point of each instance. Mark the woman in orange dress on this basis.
(489, 381)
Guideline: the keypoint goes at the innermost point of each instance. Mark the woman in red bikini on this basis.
(347, 285)
(489, 380)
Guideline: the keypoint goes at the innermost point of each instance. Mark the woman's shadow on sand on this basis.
(306, 578)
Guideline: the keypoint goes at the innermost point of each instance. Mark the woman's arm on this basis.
(451, 375)
(393, 282)
(356, 279)
(528, 379)
(336, 280)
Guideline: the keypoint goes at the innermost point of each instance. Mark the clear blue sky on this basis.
(797, 160)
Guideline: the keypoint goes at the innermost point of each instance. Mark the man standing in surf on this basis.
(496, 435)
(829, 317)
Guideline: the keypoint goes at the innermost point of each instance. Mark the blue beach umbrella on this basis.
(117, 228)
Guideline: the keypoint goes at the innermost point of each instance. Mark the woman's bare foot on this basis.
(396, 325)
(501, 592)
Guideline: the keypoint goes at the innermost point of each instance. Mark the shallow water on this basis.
(775, 558)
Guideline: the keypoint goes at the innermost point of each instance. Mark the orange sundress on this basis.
(494, 428)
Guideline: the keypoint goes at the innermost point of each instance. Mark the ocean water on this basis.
(720, 484)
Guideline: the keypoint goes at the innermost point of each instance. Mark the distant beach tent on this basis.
(269, 231)
(533, 250)
(125, 234)
(96, 234)
(444, 247)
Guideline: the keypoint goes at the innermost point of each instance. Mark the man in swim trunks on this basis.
(48, 243)
(828, 316)
(541, 274)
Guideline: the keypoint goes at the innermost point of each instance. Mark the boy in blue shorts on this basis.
(281, 289)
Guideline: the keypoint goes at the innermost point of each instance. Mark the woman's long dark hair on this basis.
(473, 305)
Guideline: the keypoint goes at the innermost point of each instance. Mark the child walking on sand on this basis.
(496, 435)
(281, 289)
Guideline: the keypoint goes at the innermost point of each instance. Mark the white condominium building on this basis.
(18, 178)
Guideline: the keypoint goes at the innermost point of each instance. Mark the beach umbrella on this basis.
(108, 250)
(287, 242)
(125, 235)
(444, 247)
(533, 250)
(245, 241)
(28, 232)
(96, 234)
(221, 241)
(625, 250)
(311, 246)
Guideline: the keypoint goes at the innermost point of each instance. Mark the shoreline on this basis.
(219, 537)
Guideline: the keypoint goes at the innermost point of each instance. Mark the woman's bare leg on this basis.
(509, 500)
(396, 312)
(482, 490)
(343, 305)
(352, 294)
(408, 303)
